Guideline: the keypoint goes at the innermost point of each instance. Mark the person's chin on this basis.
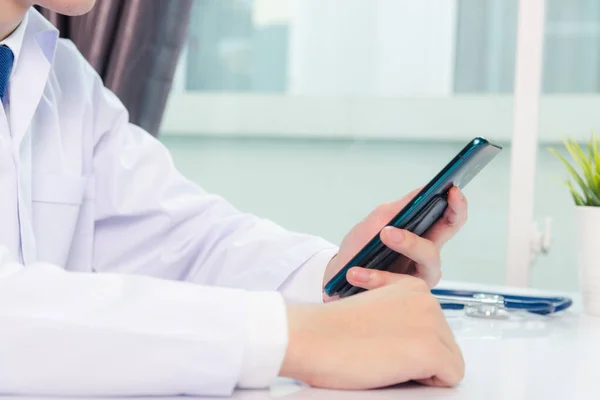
(69, 7)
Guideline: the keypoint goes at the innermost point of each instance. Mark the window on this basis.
(312, 112)
(369, 69)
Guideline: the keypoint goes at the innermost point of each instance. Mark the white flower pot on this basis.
(588, 228)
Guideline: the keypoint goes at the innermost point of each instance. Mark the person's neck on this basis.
(10, 19)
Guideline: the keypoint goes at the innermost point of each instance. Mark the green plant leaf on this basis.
(591, 152)
(572, 171)
(588, 173)
(594, 161)
(584, 171)
(579, 201)
(577, 154)
(594, 145)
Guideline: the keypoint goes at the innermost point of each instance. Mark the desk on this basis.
(525, 357)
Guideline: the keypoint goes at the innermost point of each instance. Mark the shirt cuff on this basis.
(305, 285)
(266, 340)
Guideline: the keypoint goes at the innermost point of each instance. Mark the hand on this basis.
(378, 338)
(422, 254)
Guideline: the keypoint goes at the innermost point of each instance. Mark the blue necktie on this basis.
(6, 62)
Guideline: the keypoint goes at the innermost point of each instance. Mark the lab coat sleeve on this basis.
(150, 220)
(86, 334)
(300, 286)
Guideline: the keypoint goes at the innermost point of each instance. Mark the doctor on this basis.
(97, 227)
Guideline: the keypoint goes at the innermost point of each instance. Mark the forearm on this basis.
(105, 334)
(170, 228)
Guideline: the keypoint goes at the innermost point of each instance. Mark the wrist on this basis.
(303, 330)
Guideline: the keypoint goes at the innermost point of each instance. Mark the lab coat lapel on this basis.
(27, 88)
(31, 74)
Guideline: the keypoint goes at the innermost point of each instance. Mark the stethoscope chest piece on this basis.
(489, 306)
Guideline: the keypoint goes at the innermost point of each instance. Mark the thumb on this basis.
(373, 279)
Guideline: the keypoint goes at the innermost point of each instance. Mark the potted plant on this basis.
(584, 185)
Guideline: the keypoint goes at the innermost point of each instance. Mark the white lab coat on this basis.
(85, 192)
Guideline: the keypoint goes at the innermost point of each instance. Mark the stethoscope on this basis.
(498, 305)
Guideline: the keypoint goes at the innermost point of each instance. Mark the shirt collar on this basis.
(15, 40)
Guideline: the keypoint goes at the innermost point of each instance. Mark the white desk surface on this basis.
(525, 357)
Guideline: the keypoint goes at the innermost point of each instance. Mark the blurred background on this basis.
(312, 112)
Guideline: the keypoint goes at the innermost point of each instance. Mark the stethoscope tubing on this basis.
(532, 304)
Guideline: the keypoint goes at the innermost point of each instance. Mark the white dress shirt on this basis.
(97, 227)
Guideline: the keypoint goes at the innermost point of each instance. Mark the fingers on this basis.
(387, 211)
(422, 251)
(373, 279)
(418, 249)
(447, 366)
(453, 219)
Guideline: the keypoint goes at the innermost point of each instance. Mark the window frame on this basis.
(455, 118)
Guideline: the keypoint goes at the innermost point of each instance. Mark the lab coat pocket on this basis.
(56, 203)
